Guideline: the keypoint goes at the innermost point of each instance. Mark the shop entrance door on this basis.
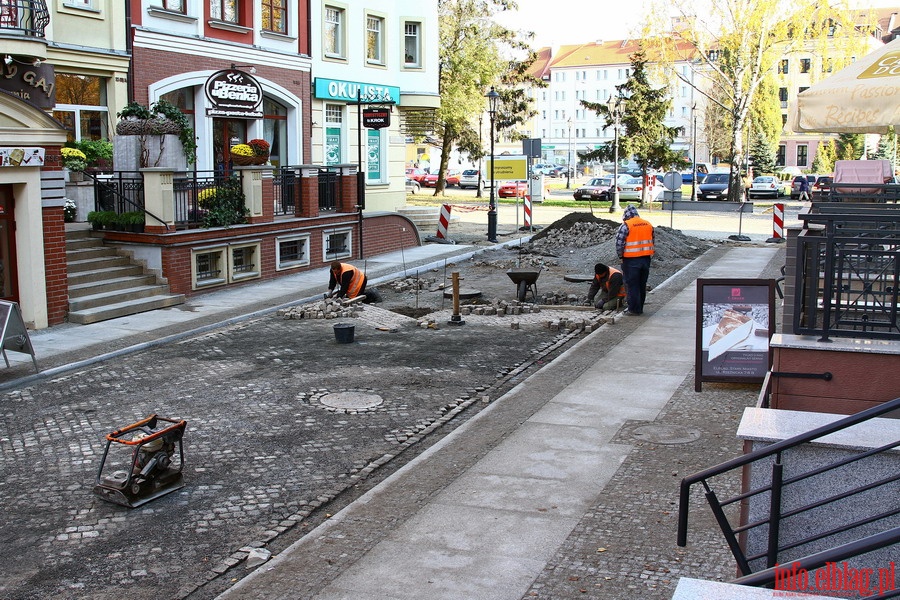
(9, 289)
(226, 133)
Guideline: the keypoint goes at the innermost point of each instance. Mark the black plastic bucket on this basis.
(343, 333)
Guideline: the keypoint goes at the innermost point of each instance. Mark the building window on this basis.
(783, 97)
(375, 39)
(337, 245)
(291, 252)
(783, 66)
(208, 267)
(334, 32)
(412, 45)
(78, 4)
(802, 155)
(805, 65)
(244, 262)
(802, 89)
(224, 10)
(81, 106)
(779, 156)
(274, 16)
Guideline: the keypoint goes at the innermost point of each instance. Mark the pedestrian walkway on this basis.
(483, 512)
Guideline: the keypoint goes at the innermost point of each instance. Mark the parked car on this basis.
(412, 186)
(470, 178)
(430, 180)
(595, 189)
(511, 189)
(714, 187)
(632, 189)
(416, 174)
(560, 171)
(765, 185)
(795, 184)
(822, 186)
(542, 168)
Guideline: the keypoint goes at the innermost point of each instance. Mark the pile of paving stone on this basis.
(411, 284)
(329, 308)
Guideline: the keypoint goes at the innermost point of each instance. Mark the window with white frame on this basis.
(337, 244)
(224, 10)
(275, 16)
(412, 44)
(177, 6)
(333, 34)
(374, 39)
(291, 252)
(81, 106)
(243, 262)
(208, 267)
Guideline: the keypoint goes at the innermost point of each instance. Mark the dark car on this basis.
(822, 186)
(595, 189)
(714, 187)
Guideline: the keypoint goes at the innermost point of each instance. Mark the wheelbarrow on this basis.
(525, 280)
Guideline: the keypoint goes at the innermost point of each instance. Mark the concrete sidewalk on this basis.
(485, 511)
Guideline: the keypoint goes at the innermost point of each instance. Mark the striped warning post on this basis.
(777, 224)
(526, 203)
(444, 221)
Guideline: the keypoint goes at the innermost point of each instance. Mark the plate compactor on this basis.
(152, 469)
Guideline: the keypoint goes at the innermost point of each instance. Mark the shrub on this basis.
(73, 159)
(70, 211)
(224, 205)
(95, 150)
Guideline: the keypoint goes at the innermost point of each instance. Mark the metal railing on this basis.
(120, 192)
(329, 189)
(848, 274)
(823, 518)
(286, 184)
(24, 17)
(190, 190)
(888, 193)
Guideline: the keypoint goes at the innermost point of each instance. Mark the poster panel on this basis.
(735, 321)
(14, 334)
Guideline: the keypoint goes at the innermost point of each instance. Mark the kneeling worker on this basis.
(610, 285)
(350, 281)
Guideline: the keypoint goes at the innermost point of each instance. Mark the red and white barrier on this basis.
(778, 221)
(444, 221)
(526, 204)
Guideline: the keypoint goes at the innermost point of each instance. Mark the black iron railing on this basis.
(193, 192)
(121, 192)
(329, 189)
(848, 274)
(286, 184)
(848, 498)
(24, 17)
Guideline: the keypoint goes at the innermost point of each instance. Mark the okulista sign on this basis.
(233, 93)
(351, 91)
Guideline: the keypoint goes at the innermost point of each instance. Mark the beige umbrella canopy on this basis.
(862, 98)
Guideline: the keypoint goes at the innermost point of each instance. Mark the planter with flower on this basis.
(254, 152)
(74, 162)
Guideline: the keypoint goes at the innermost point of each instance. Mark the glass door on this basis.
(227, 133)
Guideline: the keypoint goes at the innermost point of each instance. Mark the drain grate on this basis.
(345, 401)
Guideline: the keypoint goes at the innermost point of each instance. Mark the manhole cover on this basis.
(578, 277)
(464, 293)
(666, 434)
(351, 400)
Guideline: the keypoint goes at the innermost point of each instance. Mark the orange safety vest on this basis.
(356, 282)
(612, 270)
(639, 241)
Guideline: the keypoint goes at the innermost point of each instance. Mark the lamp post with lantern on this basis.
(493, 98)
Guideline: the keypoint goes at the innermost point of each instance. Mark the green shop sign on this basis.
(350, 91)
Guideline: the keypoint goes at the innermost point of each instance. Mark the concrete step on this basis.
(97, 275)
(106, 297)
(101, 262)
(122, 309)
(102, 285)
(78, 254)
(82, 243)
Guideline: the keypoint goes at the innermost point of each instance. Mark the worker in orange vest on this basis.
(609, 284)
(634, 245)
(350, 281)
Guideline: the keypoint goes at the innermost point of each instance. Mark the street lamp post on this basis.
(478, 190)
(492, 97)
(569, 166)
(615, 106)
(694, 150)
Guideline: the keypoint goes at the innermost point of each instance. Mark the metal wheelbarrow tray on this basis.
(525, 279)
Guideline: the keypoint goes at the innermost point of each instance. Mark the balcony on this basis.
(22, 24)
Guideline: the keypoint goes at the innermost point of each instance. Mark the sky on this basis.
(557, 22)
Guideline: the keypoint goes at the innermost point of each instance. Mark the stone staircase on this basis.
(105, 283)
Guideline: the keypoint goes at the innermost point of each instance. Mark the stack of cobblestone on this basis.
(501, 308)
(410, 284)
(328, 308)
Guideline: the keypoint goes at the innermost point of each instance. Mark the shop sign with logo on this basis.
(351, 91)
(234, 94)
(21, 157)
(34, 84)
(376, 118)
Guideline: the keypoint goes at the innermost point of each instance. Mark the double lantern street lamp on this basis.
(493, 97)
(614, 105)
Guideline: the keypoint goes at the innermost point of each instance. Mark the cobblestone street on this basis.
(264, 447)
